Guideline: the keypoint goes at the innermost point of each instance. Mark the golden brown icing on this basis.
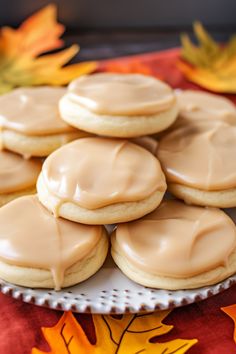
(95, 172)
(147, 143)
(199, 105)
(177, 240)
(38, 240)
(201, 156)
(16, 173)
(33, 111)
(121, 94)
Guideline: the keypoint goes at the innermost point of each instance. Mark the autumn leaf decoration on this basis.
(21, 62)
(231, 312)
(209, 64)
(128, 334)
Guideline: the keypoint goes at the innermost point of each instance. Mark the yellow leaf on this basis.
(231, 312)
(20, 48)
(128, 334)
(207, 42)
(219, 82)
(209, 64)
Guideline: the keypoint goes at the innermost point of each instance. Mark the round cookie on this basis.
(30, 123)
(199, 163)
(119, 105)
(177, 247)
(101, 181)
(195, 106)
(38, 250)
(17, 176)
(147, 142)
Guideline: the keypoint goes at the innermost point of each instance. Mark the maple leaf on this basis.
(231, 312)
(20, 48)
(128, 334)
(209, 65)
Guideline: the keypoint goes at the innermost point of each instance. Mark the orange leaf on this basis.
(231, 312)
(38, 34)
(66, 334)
(20, 48)
(126, 335)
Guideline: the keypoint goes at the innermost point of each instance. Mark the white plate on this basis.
(110, 291)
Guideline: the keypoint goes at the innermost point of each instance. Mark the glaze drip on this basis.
(41, 241)
(108, 171)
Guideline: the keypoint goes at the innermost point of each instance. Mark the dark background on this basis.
(108, 28)
(94, 14)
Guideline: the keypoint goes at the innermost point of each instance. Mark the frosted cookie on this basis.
(147, 143)
(17, 176)
(101, 181)
(30, 122)
(177, 247)
(199, 163)
(195, 106)
(119, 105)
(38, 250)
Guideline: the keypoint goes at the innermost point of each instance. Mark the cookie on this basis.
(199, 163)
(177, 247)
(119, 105)
(40, 251)
(195, 106)
(30, 123)
(101, 181)
(147, 142)
(17, 176)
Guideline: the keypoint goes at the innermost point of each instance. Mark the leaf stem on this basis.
(123, 333)
(64, 340)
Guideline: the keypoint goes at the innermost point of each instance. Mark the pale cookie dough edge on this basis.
(168, 283)
(42, 278)
(36, 145)
(111, 214)
(115, 126)
(219, 199)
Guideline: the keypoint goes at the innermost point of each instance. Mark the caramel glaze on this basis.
(96, 172)
(38, 240)
(177, 240)
(33, 111)
(198, 105)
(119, 94)
(17, 173)
(200, 156)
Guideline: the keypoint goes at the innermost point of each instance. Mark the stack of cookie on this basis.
(30, 127)
(114, 176)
